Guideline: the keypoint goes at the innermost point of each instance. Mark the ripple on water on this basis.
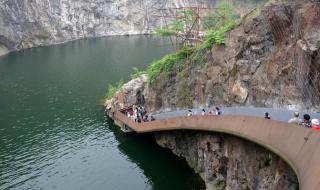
(40, 151)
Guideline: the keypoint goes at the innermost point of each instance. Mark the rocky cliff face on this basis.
(30, 23)
(271, 60)
(229, 163)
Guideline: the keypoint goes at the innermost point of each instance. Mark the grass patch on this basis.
(166, 63)
(217, 36)
(112, 89)
(136, 73)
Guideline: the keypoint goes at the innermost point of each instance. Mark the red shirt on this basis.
(316, 128)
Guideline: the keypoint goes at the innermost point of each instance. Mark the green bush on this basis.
(111, 90)
(165, 64)
(136, 73)
(217, 36)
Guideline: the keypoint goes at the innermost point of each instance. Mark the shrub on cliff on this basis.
(166, 63)
(112, 89)
(217, 36)
(136, 73)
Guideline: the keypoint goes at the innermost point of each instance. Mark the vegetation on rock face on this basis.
(177, 26)
(112, 89)
(43, 33)
(217, 36)
(166, 63)
(215, 24)
(224, 21)
(224, 13)
(136, 73)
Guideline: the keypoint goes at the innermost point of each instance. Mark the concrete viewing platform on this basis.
(298, 146)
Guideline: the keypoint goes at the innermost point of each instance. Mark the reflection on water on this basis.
(169, 168)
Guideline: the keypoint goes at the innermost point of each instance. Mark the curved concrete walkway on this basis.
(299, 146)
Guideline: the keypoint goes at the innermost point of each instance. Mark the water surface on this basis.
(53, 134)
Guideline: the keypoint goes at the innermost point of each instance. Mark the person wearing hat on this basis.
(315, 124)
(295, 119)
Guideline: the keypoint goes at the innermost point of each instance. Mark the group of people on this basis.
(215, 111)
(139, 114)
(305, 122)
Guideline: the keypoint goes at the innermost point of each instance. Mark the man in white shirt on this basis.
(295, 119)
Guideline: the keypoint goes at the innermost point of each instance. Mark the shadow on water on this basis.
(163, 169)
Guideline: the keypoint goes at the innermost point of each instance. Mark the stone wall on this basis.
(229, 163)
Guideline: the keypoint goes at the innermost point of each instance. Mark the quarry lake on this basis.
(53, 132)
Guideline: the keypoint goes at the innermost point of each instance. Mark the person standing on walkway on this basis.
(306, 121)
(134, 107)
(203, 113)
(138, 119)
(145, 118)
(267, 115)
(218, 111)
(135, 114)
(295, 119)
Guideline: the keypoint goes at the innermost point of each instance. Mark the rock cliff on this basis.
(271, 60)
(226, 162)
(30, 23)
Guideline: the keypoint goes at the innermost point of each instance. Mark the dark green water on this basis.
(53, 134)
